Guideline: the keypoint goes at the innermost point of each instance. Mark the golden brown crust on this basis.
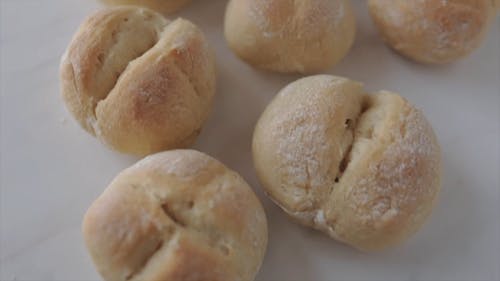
(100, 51)
(164, 6)
(177, 215)
(363, 168)
(138, 82)
(297, 36)
(432, 31)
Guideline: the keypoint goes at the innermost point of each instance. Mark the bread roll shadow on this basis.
(227, 135)
(450, 232)
(288, 254)
(456, 215)
(445, 236)
(368, 58)
(206, 14)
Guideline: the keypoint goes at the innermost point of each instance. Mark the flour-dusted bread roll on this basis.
(432, 31)
(137, 81)
(177, 216)
(364, 169)
(164, 6)
(290, 36)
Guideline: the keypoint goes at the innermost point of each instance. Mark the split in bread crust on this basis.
(177, 215)
(137, 81)
(363, 168)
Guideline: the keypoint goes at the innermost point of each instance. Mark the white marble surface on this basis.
(51, 170)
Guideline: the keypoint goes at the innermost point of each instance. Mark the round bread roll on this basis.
(432, 31)
(164, 6)
(364, 169)
(290, 36)
(137, 81)
(177, 216)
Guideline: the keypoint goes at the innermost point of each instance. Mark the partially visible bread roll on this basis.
(365, 169)
(164, 6)
(137, 81)
(290, 36)
(433, 31)
(177, 216)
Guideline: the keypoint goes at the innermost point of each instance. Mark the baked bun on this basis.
(177, 216)
(290, 36)
(137, 81)
(164, 6)
(364, 169)
(432, 31)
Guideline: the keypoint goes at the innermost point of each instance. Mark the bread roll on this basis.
(164, 6)
(290, 36)
(364, 169)
(432, 31)
(177, 216)
(137, 81)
